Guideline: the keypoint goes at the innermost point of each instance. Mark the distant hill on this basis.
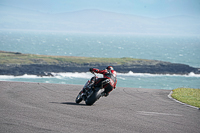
(96, 21)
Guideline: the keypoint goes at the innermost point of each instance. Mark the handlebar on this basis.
(93, 73)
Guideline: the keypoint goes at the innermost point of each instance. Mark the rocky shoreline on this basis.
(15, 63)
(45, 70)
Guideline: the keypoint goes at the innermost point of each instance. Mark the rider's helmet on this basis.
(110, 68)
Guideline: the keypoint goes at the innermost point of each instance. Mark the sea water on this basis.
(175, 49)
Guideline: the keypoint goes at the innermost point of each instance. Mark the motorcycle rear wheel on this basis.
(94, 97)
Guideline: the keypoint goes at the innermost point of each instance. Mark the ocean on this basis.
(170, 48)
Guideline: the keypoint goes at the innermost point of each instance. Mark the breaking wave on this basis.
(130, 73)
(88, 75)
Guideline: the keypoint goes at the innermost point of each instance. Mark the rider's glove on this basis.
(91, 69)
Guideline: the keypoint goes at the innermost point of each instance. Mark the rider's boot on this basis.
(104, 94)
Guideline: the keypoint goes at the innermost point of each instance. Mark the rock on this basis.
(156, 67)
(41, 67)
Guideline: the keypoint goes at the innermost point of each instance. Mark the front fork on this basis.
(87, 91)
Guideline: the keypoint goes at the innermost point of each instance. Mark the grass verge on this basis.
(187, 95)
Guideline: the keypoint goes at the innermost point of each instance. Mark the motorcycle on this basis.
(91, 93)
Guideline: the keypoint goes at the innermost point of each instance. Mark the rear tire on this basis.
(94, 97)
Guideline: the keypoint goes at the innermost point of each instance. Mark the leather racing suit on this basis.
(107, 74)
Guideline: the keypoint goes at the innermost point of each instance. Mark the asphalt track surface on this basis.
(51, 108)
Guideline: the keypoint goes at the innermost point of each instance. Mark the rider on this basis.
(108, 73)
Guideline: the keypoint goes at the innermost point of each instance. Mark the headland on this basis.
(15, 63)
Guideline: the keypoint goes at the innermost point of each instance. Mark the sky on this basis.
(148, 8)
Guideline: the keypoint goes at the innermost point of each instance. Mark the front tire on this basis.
(79, 98)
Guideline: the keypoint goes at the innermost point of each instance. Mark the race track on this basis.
(51, 108)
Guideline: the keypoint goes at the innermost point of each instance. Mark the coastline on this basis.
(17, 64)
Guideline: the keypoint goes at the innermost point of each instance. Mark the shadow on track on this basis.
(70, 103)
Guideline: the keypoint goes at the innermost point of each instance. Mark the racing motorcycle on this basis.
(91, 93)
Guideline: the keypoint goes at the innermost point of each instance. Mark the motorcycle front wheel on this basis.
(79, 98)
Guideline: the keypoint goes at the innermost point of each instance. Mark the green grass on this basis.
(17, 58)
(187, 95)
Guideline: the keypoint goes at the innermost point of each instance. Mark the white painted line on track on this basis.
(181, 102)
(156, 113)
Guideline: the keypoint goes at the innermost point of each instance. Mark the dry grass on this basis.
(18, 58)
